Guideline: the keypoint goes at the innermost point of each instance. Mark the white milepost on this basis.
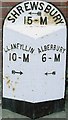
(34, 53)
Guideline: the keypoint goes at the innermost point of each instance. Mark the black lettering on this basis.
(41, 6)
(54, 47)
(25, 58)
(21, 47)
(45, 48)
(13, 46)
(42, 49)
(11, 19)
(27, 6)
(20, 10)
(18, 45)
(34, 5)
(39, 51)
(48, 8)
(43, 21)
(57, 48)
(8, 49)
(51, 46)
(57, 58)
(61, 21)
(48, 47)
(9, 56)
(52, 13)
(61, 49)
(29, 20)
(57, 17)
(32, 50)
(44, 58)
(15, 14)
(14, 56)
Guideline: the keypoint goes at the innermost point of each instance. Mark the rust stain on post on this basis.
(13, 89)
(8, 82)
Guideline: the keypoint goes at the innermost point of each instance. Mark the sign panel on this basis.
(34, 53)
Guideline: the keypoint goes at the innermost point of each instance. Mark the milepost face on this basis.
(34, 53)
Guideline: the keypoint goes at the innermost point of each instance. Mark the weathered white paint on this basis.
(33, 85)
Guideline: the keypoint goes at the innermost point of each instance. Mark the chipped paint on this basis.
(11, 83)
(63, 78)
(8, 82)
(8, 86)
(13, 89)
(7, 77)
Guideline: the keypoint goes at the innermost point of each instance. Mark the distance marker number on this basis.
(15, 57)
(26, 57)
(28, 20)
